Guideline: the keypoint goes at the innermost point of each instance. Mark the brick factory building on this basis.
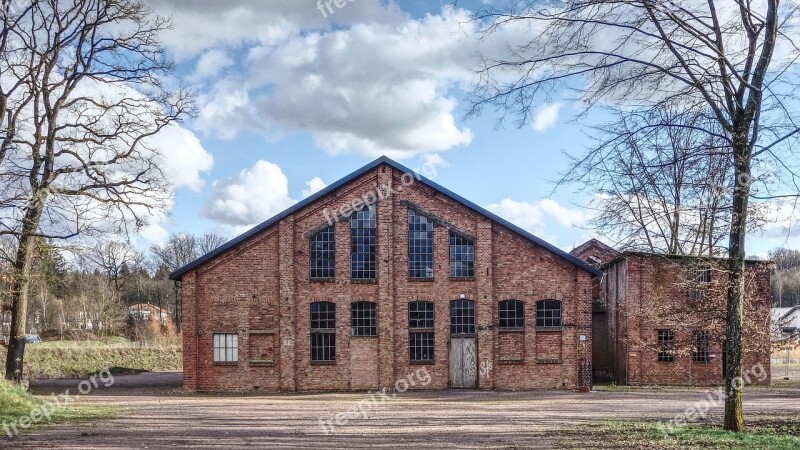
(376, 277)
(661, 319)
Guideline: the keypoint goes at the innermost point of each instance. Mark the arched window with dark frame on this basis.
(462, 317)
(420, 331)
(462, 256)
(322, 254)
(420, 246)
(511, 315)
(362, 244)
(548, 314)
(323, 332)
(363, 319)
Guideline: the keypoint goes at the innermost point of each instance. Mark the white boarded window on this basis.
(226, 347)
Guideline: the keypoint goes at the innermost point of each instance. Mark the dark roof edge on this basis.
(791, 310)
(178, 273)
(624, 254)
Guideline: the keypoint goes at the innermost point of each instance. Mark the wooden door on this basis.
(463, 363)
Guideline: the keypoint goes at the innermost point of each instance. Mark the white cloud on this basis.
(154, 234)
(314, 185)
(372, 87)
(203, 24)
(252, 196)
(182, 157)
(211, 64)
(546, 116)
(535, 217)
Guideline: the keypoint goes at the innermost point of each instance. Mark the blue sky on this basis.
(289, 97)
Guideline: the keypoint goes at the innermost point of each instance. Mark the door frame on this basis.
(474, 338)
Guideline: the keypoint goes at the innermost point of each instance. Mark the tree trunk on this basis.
(20, 285)
(734, 382)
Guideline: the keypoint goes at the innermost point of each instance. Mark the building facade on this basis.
(664, 320)
(379, 275)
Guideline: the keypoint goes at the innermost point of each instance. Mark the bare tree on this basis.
(208, 242)
(93, 89)
(657, 189)
(113, 258)
(179, 250)
(733, 60)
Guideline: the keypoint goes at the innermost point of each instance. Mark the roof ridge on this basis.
(176, 274)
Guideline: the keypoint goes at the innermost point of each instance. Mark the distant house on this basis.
(786, 321)
(147, 311)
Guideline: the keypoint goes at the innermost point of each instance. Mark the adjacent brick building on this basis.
(598, 253)
(377, 276)
(661, 320)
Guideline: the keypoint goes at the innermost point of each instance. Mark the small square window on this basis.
(226, 347)
(666, 346)
(511, 315)
(548, 314)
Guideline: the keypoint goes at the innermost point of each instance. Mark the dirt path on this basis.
(160, 417)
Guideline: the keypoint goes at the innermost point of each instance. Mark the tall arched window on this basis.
(420, 246)
(322, 254)
(362, 244)
(323, 332)
(548, 314)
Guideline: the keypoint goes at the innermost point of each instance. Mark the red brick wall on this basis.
(261, 290)
(645, 293)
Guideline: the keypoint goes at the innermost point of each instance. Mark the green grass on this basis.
(112, 342)
(16, 404)
(66, 359)
(769, 433)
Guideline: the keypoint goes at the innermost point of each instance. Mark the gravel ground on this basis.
(159, 415)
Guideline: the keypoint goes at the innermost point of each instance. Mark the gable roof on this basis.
(595, 244)
(177, 274)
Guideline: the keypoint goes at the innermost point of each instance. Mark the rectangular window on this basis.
(226, 347)
(420, 246)
(701, 353)
(420, 345)
(420, 331)
(362, 239)
(548, 314)
(512, 315)
(323, 332)
(699, 277)
(323, 254)
(363, 319)
(462, 256)
(666, 346)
